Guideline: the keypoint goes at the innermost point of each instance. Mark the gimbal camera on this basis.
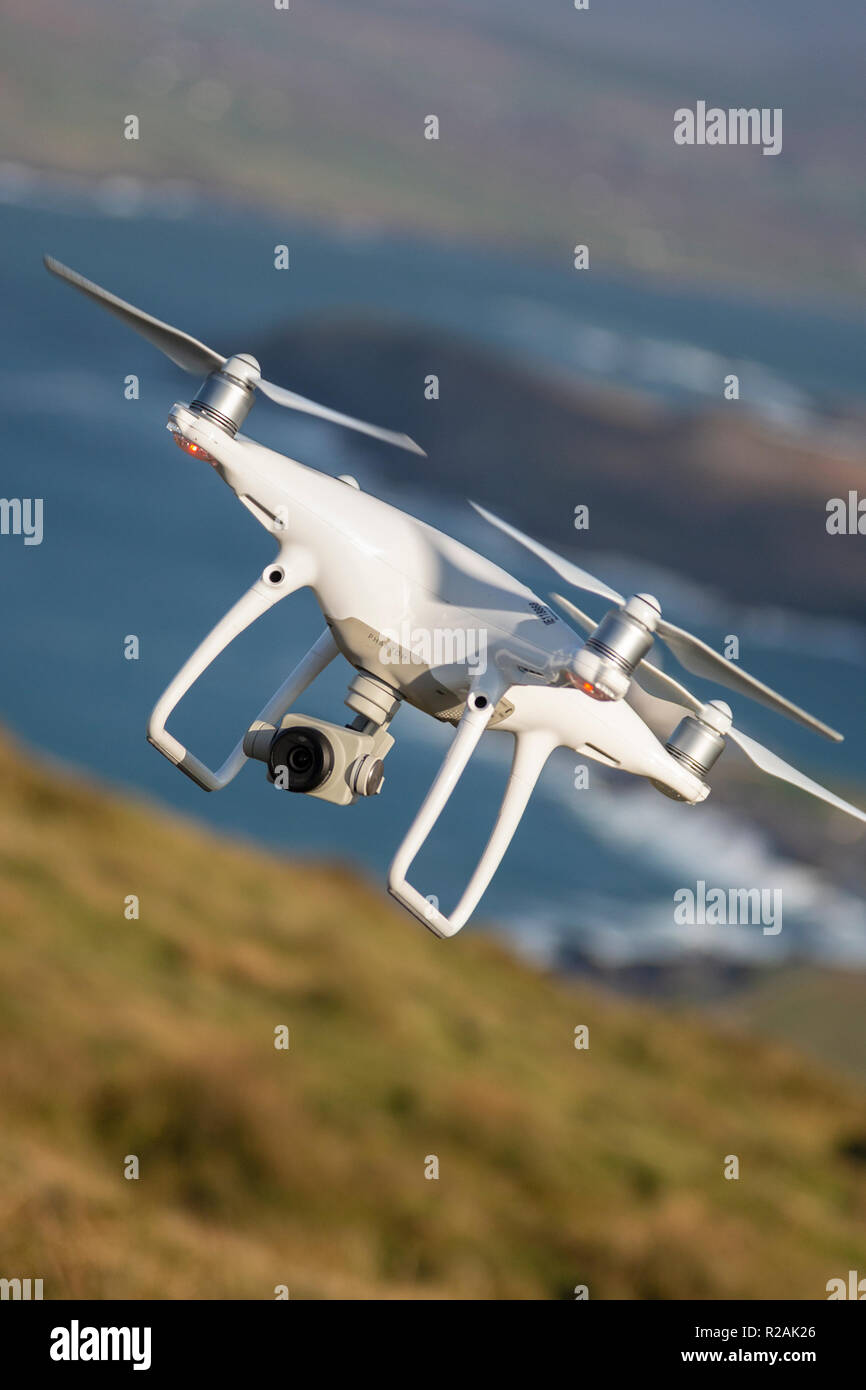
(337, 763)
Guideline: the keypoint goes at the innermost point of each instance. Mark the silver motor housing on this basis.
(698, 742)
(227, 396)
(606, 661)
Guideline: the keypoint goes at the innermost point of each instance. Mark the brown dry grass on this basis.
(258, 1168)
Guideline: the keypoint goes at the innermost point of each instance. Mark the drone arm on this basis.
(530, 754)
(276, 582)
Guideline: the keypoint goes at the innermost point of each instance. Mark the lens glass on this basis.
(301, 760)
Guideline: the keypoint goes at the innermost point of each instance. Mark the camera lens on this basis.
(301, 758)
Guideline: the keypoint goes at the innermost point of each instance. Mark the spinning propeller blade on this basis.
(572, 574)
(693, 654)
(662, 716)
(662, 702)
(775, 766)
(186, 352)
(195, 357)
(577, 614)
(293, 401)
(701, 660)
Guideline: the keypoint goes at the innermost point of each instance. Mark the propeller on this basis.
(775, 766)
(195, 357)
(572, 574)
(662, 702)
(692, 654)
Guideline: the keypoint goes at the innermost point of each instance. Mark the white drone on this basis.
(376, 572)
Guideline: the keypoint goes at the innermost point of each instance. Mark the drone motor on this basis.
(698, 742)
(227, 396)
(607, 660)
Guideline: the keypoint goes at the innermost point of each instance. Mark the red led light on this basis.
(194, 450)
(587, 687)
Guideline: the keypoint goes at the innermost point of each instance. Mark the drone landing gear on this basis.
(284, 577)
(531, 752)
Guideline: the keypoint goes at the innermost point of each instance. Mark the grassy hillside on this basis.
(821, 1010)
(262, 1167)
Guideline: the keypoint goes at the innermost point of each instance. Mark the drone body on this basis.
(376, 572)
(496, 657)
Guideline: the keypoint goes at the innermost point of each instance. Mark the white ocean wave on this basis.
(687, 844)
(590, 349)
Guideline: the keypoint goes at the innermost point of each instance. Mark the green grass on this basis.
(306, 1168)
(818, 1010)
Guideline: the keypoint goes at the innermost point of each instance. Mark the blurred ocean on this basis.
(138, 539)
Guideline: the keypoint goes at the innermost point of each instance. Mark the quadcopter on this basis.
(377, 573)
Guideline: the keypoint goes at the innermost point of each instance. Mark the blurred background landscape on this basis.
(557, 388)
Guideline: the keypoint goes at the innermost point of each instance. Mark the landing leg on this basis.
(531, 752)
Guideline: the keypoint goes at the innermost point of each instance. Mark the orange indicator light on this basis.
(195, 450)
